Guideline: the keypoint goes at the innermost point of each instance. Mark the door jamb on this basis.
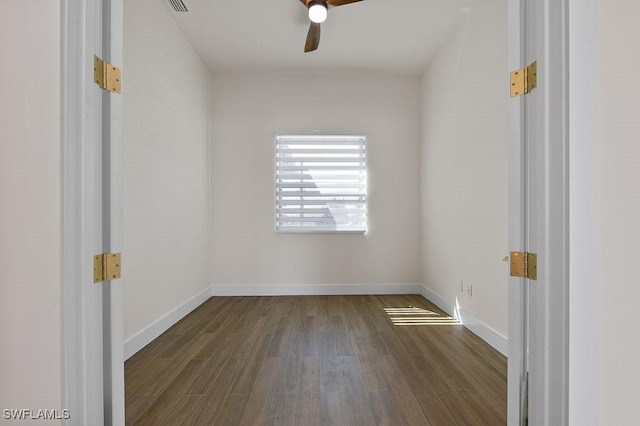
(76, 130)
(550, 390)
(553, 128)
(80, 21)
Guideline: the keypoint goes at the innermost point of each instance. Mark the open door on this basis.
(538, 214)
(94, 361)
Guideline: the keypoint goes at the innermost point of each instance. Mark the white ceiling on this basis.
(389, 36)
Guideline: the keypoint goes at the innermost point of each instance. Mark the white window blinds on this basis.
(321, 183)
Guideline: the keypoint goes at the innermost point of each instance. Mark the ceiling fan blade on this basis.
(336, 3)
(305, 2)
(313, 38)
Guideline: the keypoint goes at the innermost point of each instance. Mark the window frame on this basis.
(357, 175)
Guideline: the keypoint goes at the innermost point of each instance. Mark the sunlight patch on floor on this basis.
(418, 316)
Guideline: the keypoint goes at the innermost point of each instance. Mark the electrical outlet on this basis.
(470, 290)
(294, 269)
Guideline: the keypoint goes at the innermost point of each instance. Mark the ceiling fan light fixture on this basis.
(317, 11)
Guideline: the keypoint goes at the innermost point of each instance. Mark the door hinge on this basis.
(524, 80)
(106, 267)
(105, 75)
(524, 265)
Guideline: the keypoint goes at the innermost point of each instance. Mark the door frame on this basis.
(93, 378)
(547, 28)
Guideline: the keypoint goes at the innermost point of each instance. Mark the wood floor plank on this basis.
(434, 378)
(345, 342)
(486, 414)
(232, 409)
(433, 408)
(137, 361)
(335, 410)
(281, 336)
(384, 412)
(326, 343)
(488, 381)
(371, 343)
(307, 402)
(184, 411)
(339, 374)
(252, 366)
(210, 374)
(372, 378)
(287, 379)
(221, 342)
(283, 409)
(136, 407)
(151, 380)
(168, 399)
(258, 409)
(405, 403)
(316, 360)
(249, 338)
(219, 321)
(217, 391)
(268, 376)
(415, 378)
(177, 346)
(403, 399)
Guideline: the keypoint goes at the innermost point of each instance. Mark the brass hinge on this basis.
(106, 267)
(524, 80)
(524, 265)
(105, 75)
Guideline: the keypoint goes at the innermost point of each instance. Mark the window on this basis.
(321, 183)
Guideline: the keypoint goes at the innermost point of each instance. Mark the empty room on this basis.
(318, 212)
(326, 220)
(234, 213)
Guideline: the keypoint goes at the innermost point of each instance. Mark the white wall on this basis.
(30, 206)
(166, 90)
(619, 156)
(246, 111)
(605, 206)
(585, 216)
(464, 167)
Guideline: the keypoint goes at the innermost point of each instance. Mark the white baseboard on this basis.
(314, 289)
(486, 333)
(439, 301)
(146, 336)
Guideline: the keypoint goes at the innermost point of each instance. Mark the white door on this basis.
(538, 216)
(94, 362)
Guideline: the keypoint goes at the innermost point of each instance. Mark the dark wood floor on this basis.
(317, 360)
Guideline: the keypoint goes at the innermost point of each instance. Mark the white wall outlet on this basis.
(470, 290)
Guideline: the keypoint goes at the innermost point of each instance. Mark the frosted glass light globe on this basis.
(318, 13)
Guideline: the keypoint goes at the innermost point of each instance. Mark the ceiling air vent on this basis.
(178, 5)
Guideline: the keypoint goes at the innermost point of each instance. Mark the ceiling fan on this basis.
(317, 14)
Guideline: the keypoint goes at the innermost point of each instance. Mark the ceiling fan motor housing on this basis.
(317, 2)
